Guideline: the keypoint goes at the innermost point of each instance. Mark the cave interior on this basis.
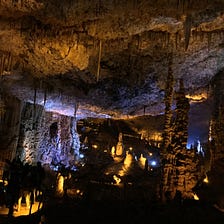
(123, 100)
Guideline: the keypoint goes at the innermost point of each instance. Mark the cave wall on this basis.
(56, 143)
(216, 143)
(217, 118)
(9, 127)
(30, 133)
(46, 137)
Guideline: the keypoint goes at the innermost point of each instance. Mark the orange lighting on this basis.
(117, 179)
(205, 179)
(195, 197)
(197, 97)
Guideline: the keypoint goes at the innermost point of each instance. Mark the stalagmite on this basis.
(179, 139)
(99, 60)
(142, 161)
(120, 147)
(75, 144)
(168, 103)
(59, 185)
(34, 105)
(180, 170)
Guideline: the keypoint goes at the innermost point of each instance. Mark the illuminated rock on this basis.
(119, 147)
(142, 161)
(59, 185)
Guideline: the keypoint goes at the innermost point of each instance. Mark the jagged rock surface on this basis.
(109, 56)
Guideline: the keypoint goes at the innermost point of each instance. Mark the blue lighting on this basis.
(153, 163)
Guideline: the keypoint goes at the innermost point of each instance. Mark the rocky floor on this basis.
(68, 212)
(129, 208)
(95, 201)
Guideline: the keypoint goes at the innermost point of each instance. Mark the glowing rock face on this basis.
(119, 147)
(142, 162)
(60, 185)
(128, 160)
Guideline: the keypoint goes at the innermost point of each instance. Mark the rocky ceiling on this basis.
(108, 57)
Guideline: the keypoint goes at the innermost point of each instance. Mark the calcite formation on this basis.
(115, 49)
(61, 61)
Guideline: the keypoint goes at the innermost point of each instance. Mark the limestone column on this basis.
(217, 120)
(10, 111)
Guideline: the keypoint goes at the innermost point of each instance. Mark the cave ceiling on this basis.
(108, 57)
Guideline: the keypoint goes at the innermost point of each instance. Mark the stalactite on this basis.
(21, 27)
(222, 34)
(2, 108)
(77, 42)
(9, 62)
(183, 5)
(99, 60)
(187, 30)
(42, 86)
(153, 36)
(176, 39)
(194, 35)
(34, 105)
(138, 42)
(1, 66)
(167, 38)
(189, 4)
(209, 39)
(178, 3)
(201, 35)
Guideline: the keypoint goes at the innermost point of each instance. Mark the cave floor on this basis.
(103, 202)
(130, 210)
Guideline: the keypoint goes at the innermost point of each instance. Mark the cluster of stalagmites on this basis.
(180, 165)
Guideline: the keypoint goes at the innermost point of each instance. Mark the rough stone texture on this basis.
(55, 147)
(217, 121)
(181, 172)
(9, 128)
(58, 43)
(181, 169)
(111, 58)
(168, 100)
(30, 133)
(10, 122)
(46, 137)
